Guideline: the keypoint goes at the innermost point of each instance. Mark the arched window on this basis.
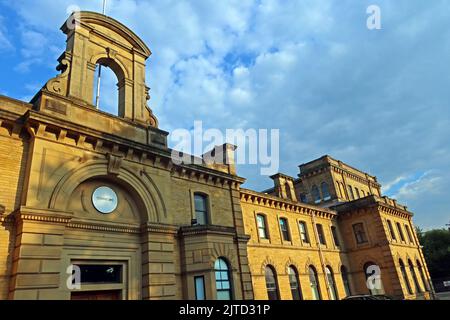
(422, 276)
(314, 283)
(315, 194)
(262, 226)
(413, 273)
(294, 283)
(223, 283)
(325, 191)
(373, 278)
(405, 276)
(331, 283)
(346, 281)
(271, 283)
(106, 95)
(338, 190)
(201, 208)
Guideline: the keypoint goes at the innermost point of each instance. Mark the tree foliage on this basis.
(436, 248)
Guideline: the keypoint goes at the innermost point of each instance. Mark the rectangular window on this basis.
(262, 230)
(335, 236)
(360, 233)
(408, 233)
(400, 232)
(100, 273)
(201, 211)
(350, 193)
(285, 229)
(391, 230)
(320, 234)
(199, 288)
(303, 231)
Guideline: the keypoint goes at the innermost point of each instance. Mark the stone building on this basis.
(92, 199)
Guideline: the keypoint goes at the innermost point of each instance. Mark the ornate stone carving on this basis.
(58, 84)
(114, 164)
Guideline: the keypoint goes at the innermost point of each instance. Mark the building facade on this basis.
(93, 206)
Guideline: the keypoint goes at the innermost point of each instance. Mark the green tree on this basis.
(436, 248)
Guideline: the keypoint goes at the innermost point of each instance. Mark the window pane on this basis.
(199, 288)
(201, 217)
(223, 295)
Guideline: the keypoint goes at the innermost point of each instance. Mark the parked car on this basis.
(368, 297)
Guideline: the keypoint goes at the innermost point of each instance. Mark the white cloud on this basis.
(376, 99)
(5, 43)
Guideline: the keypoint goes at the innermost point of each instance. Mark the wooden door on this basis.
(97, 295)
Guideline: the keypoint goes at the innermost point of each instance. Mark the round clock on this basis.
(104, 200)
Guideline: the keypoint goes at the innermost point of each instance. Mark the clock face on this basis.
(104, 200)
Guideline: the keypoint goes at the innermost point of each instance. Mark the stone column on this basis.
(37, 255)
(159, 262)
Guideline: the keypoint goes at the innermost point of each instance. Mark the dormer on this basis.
(284, 186)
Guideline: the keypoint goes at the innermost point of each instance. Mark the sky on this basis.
(375, 99)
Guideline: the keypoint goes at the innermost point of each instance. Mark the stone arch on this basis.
(223, 251)
(368, 258)
(289, 263)
(112, 61)
(149, 195)
(266, 262)
(309, 263)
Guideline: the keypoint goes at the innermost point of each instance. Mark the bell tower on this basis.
(92, 39)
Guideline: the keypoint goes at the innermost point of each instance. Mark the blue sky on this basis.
(377, 99)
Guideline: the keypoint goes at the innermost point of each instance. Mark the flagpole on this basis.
(97, 98)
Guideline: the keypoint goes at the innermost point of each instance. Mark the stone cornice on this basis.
(103, 227)
(383, 204)
(159, 228)
(206, 229)
(74, 135)
(274, 202)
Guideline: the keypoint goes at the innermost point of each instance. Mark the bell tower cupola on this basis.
(95, 39)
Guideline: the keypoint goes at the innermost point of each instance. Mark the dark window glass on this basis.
(408, 233)
(285, 229)
(201, 211)
(316, 194)
(271, 284)
(405, 276)
(422, 276)
(400, 232)
(325, 191)
(223, 283)
(100, 273)
(335, 236)
(303, 198)
(346, 281)
(262, 228)
(320, 234)
(303, 231)
(331, 283)
(294, 283)
(414, 276)
(314, 283)
(391, 230)
(360, 233)
(199, 288)
(357, 193)
(350, 193)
